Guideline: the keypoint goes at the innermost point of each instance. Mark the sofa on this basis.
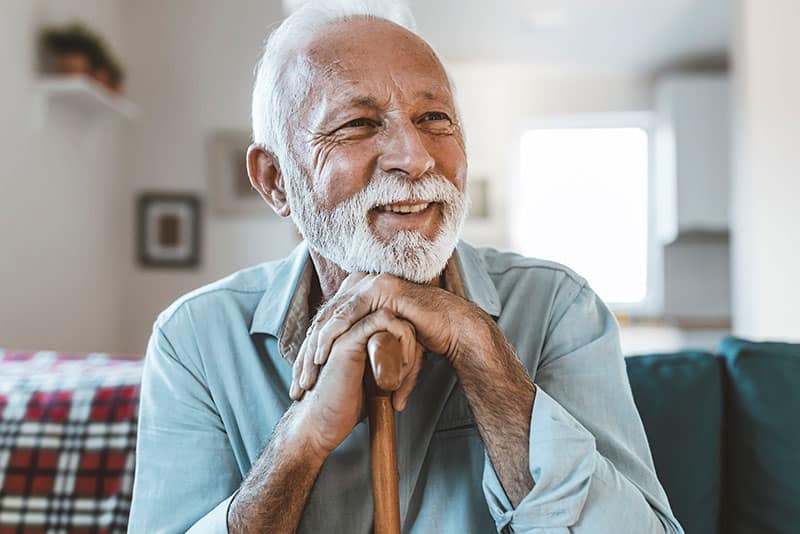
(724, 430)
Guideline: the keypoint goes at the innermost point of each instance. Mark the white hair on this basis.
(276, 91)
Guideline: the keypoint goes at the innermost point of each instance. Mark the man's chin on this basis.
(421, 261)
(406, 254)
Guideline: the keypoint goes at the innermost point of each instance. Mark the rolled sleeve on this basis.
(588, 453)
(561, 460)
(214, 521)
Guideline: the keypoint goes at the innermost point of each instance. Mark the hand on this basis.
(335, 404)
(436, 314)
(304, 372)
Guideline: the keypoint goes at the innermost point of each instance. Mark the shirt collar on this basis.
(478, 285)
(286, 298)
(281, 287)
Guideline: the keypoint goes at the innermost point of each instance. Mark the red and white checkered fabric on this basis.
(67, 441)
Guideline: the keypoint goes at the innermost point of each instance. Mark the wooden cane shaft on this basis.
(383, 451)
(384, 352)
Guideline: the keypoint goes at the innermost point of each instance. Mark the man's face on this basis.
(377, 174)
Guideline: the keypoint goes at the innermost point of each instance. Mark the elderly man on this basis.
(514, 410)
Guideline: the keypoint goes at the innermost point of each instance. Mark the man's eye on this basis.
(435, 116)
(358, 123)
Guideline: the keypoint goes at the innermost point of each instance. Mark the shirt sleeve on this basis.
(186, 473)
(588, 453)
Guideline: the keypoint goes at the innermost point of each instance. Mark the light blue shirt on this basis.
(216, 381)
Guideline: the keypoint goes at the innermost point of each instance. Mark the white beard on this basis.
(343, 235)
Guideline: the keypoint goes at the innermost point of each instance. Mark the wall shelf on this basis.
(83, 94)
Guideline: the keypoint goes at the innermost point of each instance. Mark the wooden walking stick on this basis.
(382, 377)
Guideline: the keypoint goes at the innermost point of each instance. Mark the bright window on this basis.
(582, 201)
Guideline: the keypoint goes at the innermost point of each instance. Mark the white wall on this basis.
(766, 189)
(59, 197)
(190, 66)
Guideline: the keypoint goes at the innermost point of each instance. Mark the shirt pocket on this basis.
(456, 413)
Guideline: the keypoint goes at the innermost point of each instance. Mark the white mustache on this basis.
(389, 189)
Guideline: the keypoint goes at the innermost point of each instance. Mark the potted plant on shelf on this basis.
(69, 49)
(74, 49)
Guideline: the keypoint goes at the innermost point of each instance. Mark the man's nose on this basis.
(404, 152)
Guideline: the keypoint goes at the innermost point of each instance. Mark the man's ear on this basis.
(266, 177)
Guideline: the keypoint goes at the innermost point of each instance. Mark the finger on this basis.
(300, 364)
(309, 344)
(309, 374)
(304, 370)
(400, 397)
(357, 337)
(409, 345)
(294, 387)
(351, 281)
(408, 340)
(346, 290)
(294, 391)
(346, 315)
(381, 320)
(406, 334)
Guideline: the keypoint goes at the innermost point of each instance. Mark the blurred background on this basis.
(649, 145)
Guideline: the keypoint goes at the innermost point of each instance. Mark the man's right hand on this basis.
(331, 409)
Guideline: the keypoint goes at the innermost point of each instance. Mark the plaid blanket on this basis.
(67, 441)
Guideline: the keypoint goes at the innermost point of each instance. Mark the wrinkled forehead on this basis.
(366, 54)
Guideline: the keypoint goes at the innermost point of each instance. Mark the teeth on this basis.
(409, 208)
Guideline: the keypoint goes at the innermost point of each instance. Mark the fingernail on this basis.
(293, 391)
(317, 358)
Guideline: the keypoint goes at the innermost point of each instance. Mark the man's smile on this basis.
(405, 207)
(421, 216)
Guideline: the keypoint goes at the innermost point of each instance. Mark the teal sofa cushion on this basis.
(762, 466)
(679, 397)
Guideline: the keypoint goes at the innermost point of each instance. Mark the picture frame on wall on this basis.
(231, 194)
(168, 229)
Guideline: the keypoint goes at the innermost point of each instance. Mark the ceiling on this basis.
(639, 35)
(643, 36)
